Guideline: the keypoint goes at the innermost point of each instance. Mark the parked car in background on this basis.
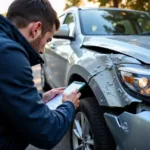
(109, 50)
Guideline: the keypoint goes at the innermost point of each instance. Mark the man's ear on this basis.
(36, 30)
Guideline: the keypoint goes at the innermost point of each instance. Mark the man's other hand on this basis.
(73, 97)
(52, 93)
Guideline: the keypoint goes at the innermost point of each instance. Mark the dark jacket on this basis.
(24, 118)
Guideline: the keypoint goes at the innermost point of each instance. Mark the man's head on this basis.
(36, 20)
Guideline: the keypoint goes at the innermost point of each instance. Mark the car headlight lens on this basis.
(143, 82)
(136, 79)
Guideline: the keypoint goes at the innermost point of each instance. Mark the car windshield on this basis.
(114, 22)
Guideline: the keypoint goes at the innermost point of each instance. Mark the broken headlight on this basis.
(136, 79)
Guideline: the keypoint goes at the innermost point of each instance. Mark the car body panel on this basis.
(130, 131)
(134, 46)
(57, 57)
(98, 70)
(104, 84)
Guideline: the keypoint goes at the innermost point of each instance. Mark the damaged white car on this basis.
(109, 49)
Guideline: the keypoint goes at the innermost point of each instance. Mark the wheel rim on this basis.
(42, 78)
(82, 138)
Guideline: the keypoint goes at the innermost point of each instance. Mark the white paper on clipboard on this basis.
(56, 101)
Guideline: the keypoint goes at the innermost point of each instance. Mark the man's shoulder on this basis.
(13, 57)
(8, 45)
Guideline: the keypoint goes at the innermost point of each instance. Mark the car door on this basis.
(59, 50)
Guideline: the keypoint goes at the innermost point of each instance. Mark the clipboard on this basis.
(56, 101)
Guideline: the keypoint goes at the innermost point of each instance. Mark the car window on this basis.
(144, 24)
(61, 19)
(114, 22)
(127, 27)
(69, 19)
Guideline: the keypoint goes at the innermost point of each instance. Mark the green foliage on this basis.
(103, 2)
(70, 3)
(130, 4)
(4, 14)
(138, 5)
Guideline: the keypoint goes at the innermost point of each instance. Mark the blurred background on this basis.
(60, 5)
(129, 4)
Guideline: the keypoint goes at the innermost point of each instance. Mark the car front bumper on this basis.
(130, 131)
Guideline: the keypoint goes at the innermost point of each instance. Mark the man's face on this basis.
(39, 43)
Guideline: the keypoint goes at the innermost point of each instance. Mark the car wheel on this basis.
(89, 130)
(44, 84)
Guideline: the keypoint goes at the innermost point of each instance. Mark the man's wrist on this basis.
(67, 101)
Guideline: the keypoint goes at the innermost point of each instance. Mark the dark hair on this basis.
(23, 12)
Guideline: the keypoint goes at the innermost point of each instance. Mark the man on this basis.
(24, 118)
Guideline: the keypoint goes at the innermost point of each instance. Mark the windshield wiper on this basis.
(121, 34)
(145, 33)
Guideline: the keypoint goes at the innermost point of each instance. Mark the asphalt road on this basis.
(65, 142)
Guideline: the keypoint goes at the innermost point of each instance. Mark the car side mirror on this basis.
(64, 32)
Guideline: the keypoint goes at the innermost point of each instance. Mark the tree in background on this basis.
(137, 4)
(107, 3)
(70, 3)
(4, 14)
(130, 4)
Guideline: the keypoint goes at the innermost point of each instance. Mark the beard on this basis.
(36, 44)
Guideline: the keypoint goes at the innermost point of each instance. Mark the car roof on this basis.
(75, 8)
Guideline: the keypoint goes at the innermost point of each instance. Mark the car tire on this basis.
(44, 84)
(98, 137)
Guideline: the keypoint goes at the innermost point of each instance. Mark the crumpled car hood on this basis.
(134, 46)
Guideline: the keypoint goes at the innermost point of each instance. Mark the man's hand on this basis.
(52, 93)
(73, 97)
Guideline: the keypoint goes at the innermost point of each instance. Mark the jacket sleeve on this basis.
(41, 95)
(23, 106)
